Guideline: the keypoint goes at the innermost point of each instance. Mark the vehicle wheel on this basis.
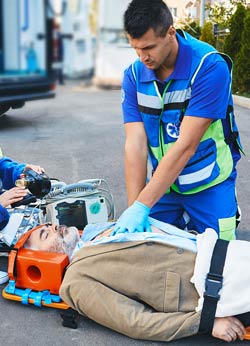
(3, 109)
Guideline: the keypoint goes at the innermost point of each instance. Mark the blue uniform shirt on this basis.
(211, 90)
(9, 172)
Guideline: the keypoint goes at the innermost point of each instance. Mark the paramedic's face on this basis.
(154, 50)
(53, 238)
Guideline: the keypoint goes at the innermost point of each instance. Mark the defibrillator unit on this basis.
(78, 204)
(78, 211)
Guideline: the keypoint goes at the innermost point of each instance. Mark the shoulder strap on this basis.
(213, 285)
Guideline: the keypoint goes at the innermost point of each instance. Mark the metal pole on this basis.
(202, 12)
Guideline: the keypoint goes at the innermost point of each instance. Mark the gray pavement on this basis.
(79, 135)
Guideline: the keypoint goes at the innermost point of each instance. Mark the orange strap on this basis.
(13, 253)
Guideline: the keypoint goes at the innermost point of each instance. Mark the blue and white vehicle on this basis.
(26, 52)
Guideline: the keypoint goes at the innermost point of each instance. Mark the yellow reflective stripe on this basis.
(227, 228)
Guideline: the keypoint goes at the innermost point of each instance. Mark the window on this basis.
(173, 11)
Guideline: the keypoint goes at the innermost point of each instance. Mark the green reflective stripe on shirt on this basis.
(161, 150)
(224, 157)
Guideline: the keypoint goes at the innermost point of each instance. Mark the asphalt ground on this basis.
(79, 135)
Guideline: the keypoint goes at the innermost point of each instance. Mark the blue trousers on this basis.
(215, 207)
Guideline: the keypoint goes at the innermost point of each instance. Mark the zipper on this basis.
(199, 160)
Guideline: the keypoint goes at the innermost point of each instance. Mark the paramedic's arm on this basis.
(7, 198)
(191, 131)
(136, 153)
(228, 329)
(10, 171)
(136, 149)
(11, 196)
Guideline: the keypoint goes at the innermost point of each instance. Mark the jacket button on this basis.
(180, 251)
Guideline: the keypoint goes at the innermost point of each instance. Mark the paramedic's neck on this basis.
(167, 67)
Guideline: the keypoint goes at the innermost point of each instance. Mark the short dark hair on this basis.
(142, 15)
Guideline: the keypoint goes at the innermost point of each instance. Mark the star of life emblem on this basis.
(173, 130)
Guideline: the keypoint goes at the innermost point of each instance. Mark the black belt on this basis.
(213, 285)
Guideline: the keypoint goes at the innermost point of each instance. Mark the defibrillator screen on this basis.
(72, 214)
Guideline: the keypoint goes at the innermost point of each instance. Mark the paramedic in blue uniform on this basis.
(178, 112)
(9, 172)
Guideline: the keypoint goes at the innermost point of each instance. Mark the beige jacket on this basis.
(140, 289)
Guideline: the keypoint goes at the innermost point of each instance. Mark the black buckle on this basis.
(213, 285)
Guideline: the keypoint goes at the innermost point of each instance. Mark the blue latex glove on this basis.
(133, 219)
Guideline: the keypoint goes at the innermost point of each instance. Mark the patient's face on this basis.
(53, 238)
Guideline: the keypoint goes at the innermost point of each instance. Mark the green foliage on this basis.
(235, 3)
(219, 14)
(236, 24)
(207, 33)
(241, 81)
(192, 27)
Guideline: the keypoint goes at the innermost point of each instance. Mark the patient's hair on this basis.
(65, 244)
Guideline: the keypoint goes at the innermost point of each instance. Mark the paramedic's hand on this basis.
(133, 219)
(11, 196)
(37, 169)
(228, 329)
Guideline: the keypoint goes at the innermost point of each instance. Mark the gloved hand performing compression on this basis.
(133, 219)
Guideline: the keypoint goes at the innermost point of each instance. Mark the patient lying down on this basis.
(64, 239)
(127, 265)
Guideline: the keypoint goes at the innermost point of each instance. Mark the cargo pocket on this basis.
(201, 169)
(171, 299)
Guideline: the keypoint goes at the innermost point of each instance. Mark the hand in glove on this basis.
(133, 219)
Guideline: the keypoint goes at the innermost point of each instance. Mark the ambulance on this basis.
(26, 52)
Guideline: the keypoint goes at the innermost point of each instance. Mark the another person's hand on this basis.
(11, 196)
(133, 219)
(37, 169)
(228, 329)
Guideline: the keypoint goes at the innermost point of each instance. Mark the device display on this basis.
(72, 214)
(78, 211)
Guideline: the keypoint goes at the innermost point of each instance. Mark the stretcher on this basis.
(35, 276)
